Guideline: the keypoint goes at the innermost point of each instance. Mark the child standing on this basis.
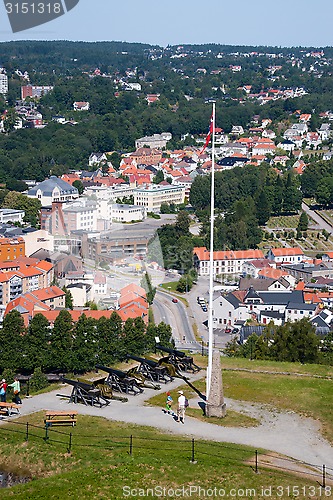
(168, 403)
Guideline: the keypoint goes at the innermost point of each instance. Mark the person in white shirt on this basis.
(181, 407)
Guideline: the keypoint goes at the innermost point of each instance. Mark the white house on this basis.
(225, 262)
(52, 190)
(253, 267)
(286, 255)
(228, 310)
(81, 106)
(81, 294)
(296, 312)
(127, 213)
(99, 287)
(10, 215)
(96, 158)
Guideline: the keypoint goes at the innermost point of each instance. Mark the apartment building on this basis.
(225, 262)
(9, 215)
(3, 82)
(52, 190)
(153, 196)
(11, 248)
(36, 91)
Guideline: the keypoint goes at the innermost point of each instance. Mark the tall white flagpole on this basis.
(211, 265)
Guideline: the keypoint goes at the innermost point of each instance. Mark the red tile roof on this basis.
(286, 252)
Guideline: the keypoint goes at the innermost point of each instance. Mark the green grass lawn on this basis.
(100, 466)
(283, 221)
(171, 286)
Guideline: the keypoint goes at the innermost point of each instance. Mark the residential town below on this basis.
(285, 285)
(97, 220)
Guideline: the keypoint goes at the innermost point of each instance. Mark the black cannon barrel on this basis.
(112, 371)
(150, 362)
(77, 383)
(175, 352)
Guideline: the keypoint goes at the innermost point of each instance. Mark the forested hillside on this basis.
(185, 78)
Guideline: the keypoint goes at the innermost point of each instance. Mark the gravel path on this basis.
(279, 431)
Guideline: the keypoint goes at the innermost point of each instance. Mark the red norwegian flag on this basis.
(209, 135)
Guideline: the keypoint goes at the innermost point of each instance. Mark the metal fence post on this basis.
(324, 476)
(69, 449)
(27, 432)
(131, 445)
(46, 432)
(193, 452)
(256, 469)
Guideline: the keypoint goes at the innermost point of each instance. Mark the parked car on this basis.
(227, 330)
(205, 309)
(235, 330)
(175, 300)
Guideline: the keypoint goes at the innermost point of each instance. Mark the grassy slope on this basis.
(101, 471)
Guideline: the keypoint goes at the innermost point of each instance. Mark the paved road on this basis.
(322, 224)
(279, 431)
(175, 315)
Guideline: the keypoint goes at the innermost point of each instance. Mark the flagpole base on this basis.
(218, 411)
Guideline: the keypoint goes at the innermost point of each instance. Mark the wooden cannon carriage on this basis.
(85, 393)
(121, 381)
(152, 369)
(179, 359)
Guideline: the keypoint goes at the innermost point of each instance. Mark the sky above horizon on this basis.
(258, 22)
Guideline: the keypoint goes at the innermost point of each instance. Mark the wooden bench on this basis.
(6, 408)
(57, 421)
(60, 418)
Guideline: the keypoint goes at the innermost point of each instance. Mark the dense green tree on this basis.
(16, 185)
(68, 298)
(37, 343)
(79, 186)
(183, 222)
(19, 201)
(296, 342)
(84, 345)
(38, 380)
(134, 335)
(110, 343)
(159, 177)
(303, 223)
(148, 287)
(61, 341)
(263, 209)
(12, 341)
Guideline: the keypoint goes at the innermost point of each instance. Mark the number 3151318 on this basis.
(33, 8)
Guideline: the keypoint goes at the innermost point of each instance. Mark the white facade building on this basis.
(3, 82)
(286, 255)
(52, 190)
(158, 141)
(153, 196)
(10, 215)
(127, 213)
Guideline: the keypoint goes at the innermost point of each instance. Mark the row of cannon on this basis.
(149, 373)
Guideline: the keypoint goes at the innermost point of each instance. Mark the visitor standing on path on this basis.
(3, 390)
(17, 389)
(168, 403)
(181, 407)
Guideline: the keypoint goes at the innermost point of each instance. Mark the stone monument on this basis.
(215, 406)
